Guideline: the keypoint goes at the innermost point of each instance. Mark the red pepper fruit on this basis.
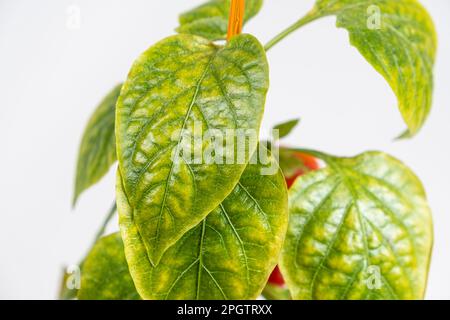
(309, 162)
(276, 278)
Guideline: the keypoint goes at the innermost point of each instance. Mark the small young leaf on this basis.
(229, 255)
(359, 229)
(285, 128)
(105, 274)
(183, 85)
(98, 145)
(210, 20)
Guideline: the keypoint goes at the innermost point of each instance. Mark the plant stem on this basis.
(108, 218)
(66, 293)
(311, 16)
(236, 20)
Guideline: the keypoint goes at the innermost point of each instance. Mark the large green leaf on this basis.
(402, 50)
(105, 274)
(397, 38)
(183, 84)
(359, 229)
(210, 20)
(98, 145)
(229, 255)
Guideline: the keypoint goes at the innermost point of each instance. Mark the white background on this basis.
(51, 78)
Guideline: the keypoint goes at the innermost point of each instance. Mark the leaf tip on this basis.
(75, 200)
(407, 134)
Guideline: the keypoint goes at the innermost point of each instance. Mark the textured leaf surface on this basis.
(210, 20)
(105, 274)
(182, 84)
(229, 255)
(352, 219)
(398, 39)
(98, 145)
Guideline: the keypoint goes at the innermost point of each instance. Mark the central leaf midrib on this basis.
(348, 182)
(188, 112)
(330, 246)
(391, 213)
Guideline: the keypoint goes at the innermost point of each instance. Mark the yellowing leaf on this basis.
(229, 255)
(359, 229)
(98, 145)
(397, 38)
(402, 47)
(105, 274)
(179, 85)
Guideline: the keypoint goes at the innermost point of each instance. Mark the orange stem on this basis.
(236, 18)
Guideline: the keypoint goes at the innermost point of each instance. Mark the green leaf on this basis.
(105, 274)
(402, 50)
(285, 128)
(98, 145)
(397, 38)
(359, 229)
(182, 85)
(210, 20)
(229, 255)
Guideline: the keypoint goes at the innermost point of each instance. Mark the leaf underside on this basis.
(98, 146)
(210, 20)
(229, 255)
(179, 86)
(105, 274)
(359, 229)
(398, 39)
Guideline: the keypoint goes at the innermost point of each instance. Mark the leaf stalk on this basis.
(311, 16)
(105, 223)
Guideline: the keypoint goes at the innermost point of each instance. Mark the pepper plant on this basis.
(205, 214)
